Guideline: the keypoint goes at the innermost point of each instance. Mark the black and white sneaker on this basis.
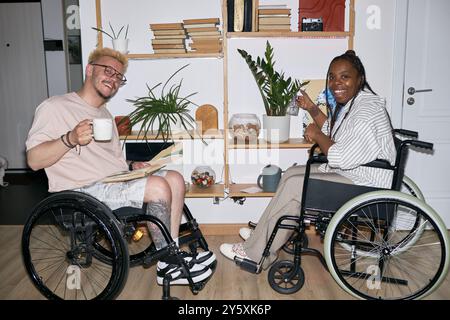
(198, 273)
(205, 258)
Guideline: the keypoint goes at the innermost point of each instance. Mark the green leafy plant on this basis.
(162, 110)
(114, 35)
(275, 90)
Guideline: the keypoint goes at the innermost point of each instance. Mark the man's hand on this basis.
(82, 133)
(139, 165)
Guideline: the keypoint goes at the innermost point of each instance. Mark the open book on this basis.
(166, 156)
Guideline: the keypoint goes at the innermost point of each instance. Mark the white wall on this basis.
(299, 58)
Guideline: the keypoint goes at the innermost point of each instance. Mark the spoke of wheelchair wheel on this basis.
(50, 245)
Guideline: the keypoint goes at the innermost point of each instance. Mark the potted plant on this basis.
(168, 110)
(119, 44)
(276, 92)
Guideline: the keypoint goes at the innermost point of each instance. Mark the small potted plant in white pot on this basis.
(119, 44)
(276, 92)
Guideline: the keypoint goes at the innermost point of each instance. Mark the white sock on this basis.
(162, 264)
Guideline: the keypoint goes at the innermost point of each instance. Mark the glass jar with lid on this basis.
(244, 127)
(203, 176)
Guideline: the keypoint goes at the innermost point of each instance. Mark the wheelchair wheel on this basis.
(285, 278)
(288, 247)
(383, 262)
(58, 248)
(415, 223)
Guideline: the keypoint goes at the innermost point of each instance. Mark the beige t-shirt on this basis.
(56, 116)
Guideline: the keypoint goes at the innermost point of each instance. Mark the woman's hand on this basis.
(311, 132)
(82, 133)
(305, 102)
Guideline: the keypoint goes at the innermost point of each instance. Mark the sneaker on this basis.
(245, 233)
(205, 258)
(198, 273)
(231, 250)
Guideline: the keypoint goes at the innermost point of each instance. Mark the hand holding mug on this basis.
(311, 132)
(82, 133)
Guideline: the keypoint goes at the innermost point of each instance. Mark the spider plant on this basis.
(114, 35)
(275, 90)
(162, 111)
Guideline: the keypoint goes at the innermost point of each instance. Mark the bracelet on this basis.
(68, 145)
(130, 166)
(68, 141)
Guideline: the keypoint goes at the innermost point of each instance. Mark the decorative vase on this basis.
(121, 45)
(123, 125)
(244, 127)
(276, 128)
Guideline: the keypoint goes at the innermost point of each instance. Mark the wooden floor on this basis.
(228, 283)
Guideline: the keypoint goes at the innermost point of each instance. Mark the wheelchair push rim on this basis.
(58, 251)
(397, 269)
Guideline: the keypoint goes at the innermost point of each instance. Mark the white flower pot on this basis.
(276, 129)
(121, 45)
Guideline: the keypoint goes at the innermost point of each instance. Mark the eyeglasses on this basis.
(111, 72)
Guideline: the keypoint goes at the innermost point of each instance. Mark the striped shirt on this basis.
(363, 136)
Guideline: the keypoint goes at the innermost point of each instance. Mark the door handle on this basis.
(412, 90)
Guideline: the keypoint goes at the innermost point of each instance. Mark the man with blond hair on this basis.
(61, 142)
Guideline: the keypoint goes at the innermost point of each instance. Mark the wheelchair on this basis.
(75, 247)
(378, 243)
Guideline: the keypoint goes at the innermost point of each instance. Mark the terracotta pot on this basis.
(123, 126)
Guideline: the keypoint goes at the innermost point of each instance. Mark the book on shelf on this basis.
(169, 32)
(206, 33)
(168, 46)
(273, 6)
(275, 27)
(188, 22)
(156, 51)
(168, 41)
(175, 36)
(216, 37)
(248, 15)
(166, 26)
(332, 13)
(274, 11)
(203, 29)
(274, 20)
(200, 25)
(169, 155)
(230, 15)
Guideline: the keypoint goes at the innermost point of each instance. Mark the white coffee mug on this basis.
(102, 128)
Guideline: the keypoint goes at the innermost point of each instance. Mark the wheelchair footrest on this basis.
(246, 264)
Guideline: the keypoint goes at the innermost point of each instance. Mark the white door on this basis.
(427, 67)
(23, 83)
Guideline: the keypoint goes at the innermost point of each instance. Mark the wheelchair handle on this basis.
(422, 144)
(409, 133)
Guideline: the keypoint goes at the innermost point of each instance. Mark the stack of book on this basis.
(168, 38)
(274, 18)
(204, 34)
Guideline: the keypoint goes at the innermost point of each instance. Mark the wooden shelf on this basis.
(293, 143)
(173, 55)
(285, 34)
(235, 191)
(216, 190)
(210, 134)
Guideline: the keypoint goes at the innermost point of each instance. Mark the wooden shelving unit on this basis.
(293, 143)
(214, 191)
(150, 56)
(210, 134)
(235, 191)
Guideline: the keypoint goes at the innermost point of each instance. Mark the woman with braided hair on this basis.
(355, 132)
